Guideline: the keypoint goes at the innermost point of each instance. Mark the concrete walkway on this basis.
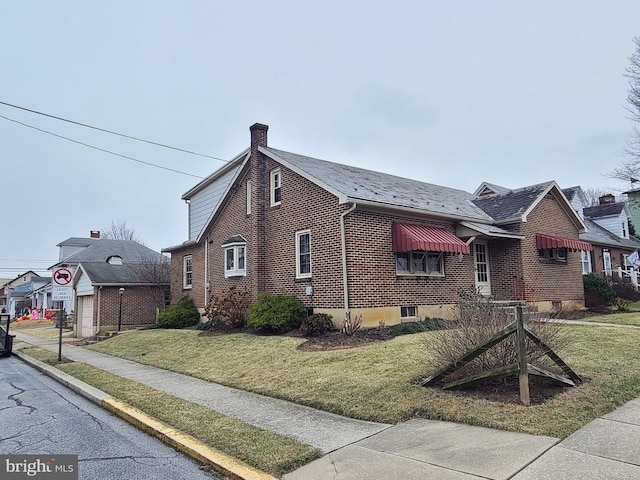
(608, 447)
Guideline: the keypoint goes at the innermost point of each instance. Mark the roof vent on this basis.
(114, 260)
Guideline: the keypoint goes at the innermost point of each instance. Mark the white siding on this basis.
(203, 203)
(577, 204)
(83, 287)
(614, 224)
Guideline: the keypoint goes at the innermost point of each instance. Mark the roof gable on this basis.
(515, 205)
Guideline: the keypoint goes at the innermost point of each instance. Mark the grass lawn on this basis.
(270, 452)
(47, 331)
(375, 382)
(621, 318)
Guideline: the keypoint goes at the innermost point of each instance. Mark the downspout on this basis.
(98, 311)
(345, 284)
(206, 271)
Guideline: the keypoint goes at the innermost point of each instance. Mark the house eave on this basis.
(188, 243)
(413, 210)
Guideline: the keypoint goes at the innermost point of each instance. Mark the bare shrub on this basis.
(476, 319)
(228, 310)
(351, 325)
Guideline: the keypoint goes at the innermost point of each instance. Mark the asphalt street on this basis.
(40, 416)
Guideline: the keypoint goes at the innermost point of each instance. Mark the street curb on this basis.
(221, 462)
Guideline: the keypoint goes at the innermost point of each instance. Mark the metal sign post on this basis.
(61, 290)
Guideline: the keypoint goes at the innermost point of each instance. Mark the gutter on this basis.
(343, 240)
(416, 211)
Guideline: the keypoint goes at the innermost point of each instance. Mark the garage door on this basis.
(85, 307)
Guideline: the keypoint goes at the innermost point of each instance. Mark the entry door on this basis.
(606, 256)
(481, 258)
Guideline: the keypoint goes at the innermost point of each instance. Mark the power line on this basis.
(112, 132)
(101, 149)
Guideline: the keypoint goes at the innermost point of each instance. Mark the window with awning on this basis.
(410, 238)
(546, 241)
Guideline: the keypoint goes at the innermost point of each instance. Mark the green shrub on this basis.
(597, 290)
(316, 324)
(182, 314)
(276, 313)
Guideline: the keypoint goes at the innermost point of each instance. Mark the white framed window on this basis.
(420, 263)
(409, 312)
(248, 197)
(586, 263)
(303, 254)
(187, 271)
(235, 260)
(554, 254)
(276, 187)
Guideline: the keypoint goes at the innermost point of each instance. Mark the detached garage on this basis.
(114, 294)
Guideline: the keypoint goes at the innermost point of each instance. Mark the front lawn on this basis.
(620, 318)
(268, 451)
(376, 382)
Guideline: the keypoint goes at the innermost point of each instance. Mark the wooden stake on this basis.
(523, 377)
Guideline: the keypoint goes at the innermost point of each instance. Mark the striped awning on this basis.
(554, 241)
(409, 238)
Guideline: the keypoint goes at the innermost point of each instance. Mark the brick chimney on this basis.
(95, 234)
(259, 197)
(607, 199)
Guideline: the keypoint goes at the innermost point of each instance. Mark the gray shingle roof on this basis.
(606, 210)
(101, 249)
(361, 184)
(513, 204)
(570, 192)
(102, 273)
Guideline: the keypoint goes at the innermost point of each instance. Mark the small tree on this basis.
(119, 230)
(477, 319)
(630, 169)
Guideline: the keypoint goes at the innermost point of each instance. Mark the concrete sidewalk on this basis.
(608, 447)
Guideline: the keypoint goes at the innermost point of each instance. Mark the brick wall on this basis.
(372, 266)
(548, 281)
(139, 306)
(197, 291)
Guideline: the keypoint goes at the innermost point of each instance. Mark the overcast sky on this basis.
(447, 92)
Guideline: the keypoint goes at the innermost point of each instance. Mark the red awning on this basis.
(408, 238)
(554, 241)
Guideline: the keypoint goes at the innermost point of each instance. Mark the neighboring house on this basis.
(18, 292)
(394, 249)
(607, 231)
(633, 200)
(103, 268)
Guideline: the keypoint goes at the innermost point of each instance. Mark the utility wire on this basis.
(112, 132)
(101, 149)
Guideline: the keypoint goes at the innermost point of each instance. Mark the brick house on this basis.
(394, 249)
